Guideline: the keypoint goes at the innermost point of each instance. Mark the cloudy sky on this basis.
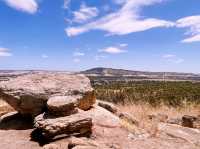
(152, 35)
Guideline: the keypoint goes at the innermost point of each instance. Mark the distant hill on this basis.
(130, 74)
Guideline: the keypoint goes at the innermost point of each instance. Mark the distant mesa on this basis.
(140, 75)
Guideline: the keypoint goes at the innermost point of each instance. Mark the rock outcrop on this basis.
(76, 124)
(187, 134)
(63, 105)
(29, 93)
(108, 106)
(191, 121)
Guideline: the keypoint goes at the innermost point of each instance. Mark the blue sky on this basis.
(151, 35)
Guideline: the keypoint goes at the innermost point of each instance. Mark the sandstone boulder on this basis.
(62, 105)
(28, 93)
(189, 135)
(103, 117)
(50, 127)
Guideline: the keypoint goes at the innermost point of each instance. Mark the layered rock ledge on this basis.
(28, 93)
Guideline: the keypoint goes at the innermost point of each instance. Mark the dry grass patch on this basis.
(141, 113)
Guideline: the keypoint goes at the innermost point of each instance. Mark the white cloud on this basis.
(85, 13)
(112, 50)
(125, 21)
(193, 23)
(29, 6)
(173, 58)
(66, 4)
(45, 56)
(78, 54)
(4, 52)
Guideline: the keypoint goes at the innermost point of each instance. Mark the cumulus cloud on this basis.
(4, 52)
(193, 23)
(29, 6)
(85, 13)
(173, 58)
(112, 50)
(125, 21)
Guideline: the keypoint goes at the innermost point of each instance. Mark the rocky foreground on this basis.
(59, 111)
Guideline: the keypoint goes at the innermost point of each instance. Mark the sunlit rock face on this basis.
(28, 93)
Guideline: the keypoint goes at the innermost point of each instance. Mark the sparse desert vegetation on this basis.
(154, 93)
(141, 112)
(142, 99)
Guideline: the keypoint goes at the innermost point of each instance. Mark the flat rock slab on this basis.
(187, 134)
(28, 93)
(50, 127)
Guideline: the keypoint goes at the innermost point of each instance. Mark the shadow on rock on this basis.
(15, 121)
(37, 136)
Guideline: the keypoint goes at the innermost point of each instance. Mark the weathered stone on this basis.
(76, 124)
(187, 121)
(191, 121)
(85, 143)
(177, 121)
(28, 93)
(103, 117)
(51, 146)
(196, 123)
(87, 147)
(62, 105)
(187, 134)
(127, 117)
(87, 100)
(108, 106)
